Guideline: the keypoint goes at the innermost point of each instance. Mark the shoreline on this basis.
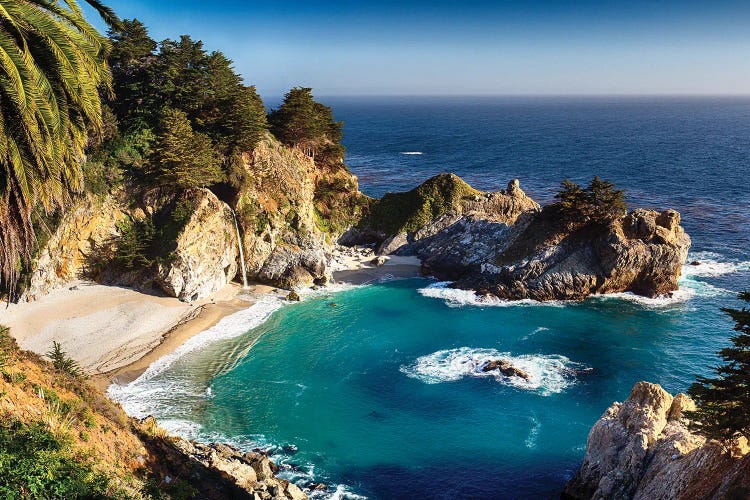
(115, 333)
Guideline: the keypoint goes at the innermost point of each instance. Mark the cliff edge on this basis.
(642, 449)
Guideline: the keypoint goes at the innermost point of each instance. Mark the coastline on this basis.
(115, 333)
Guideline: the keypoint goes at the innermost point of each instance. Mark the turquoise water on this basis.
(378, 388)
(381, 395)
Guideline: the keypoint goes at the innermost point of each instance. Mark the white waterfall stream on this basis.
(242, 253)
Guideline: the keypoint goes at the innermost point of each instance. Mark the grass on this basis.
(407, 212)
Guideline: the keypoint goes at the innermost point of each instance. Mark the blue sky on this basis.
(466, 47)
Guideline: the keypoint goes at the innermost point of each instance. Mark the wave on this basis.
(547, 374)
(411, 153)
(456, 297)
(712, 264)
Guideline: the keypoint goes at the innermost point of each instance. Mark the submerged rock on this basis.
(642, 449)
(506, 368)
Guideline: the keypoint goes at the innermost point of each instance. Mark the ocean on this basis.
(375, 390)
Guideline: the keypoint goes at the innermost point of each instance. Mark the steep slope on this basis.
(62, 438)
(642, 449)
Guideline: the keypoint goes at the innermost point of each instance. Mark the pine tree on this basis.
(183, 158)
(724, 401)
(600, 203)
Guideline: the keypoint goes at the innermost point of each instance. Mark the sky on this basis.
(469, 47)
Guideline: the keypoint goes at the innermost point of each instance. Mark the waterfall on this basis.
(242, 253)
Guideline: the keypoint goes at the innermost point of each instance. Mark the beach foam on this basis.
(548, 374)
(455, 297)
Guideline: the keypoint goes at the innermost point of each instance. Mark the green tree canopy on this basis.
(183, 76)
(304, 123)
(599, 203)
(183, 158)
(724, 401)
(53, 64)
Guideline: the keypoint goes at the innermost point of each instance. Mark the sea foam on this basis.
(456, 297)
(547, 374)
(712, 264)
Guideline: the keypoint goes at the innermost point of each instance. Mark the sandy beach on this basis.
(116, 333)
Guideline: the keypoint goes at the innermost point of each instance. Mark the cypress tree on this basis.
(183, 158)
(724, 401)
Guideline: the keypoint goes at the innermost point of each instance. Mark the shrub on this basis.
(62, 362)
(36, 464)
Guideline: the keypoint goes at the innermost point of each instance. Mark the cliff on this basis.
(290, 212)
(61, 437)
(504, 244)
(643, 449)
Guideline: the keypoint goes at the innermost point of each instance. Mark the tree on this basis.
(62, 362)
(302, 122)
(724, 401)
(600, 203)
(52, 65)
(183, 158)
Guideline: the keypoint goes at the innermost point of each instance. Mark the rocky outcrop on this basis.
(285, 234)
(206, 251)
(66, 256)
(641, 253)
(504, 244)
(220, 471)
(506, 368)
(643, 449)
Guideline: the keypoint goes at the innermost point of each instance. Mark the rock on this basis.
(379, 261)
(293, 296)
(392, 244)
(205, 259)
(506, 368)
(642, 449)
(535, 258)
(695, 263)
(72, 252)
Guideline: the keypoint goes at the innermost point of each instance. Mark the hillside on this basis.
(60, 437)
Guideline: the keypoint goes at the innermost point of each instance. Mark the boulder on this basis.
(379, 261)
(293, 296)
(506, 368)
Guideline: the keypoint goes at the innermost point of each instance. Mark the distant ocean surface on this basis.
(375, 390)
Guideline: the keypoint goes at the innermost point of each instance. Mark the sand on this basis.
(116, 333)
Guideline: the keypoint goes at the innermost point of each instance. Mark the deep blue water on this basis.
(374, 390)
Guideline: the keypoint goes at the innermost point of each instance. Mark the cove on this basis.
(374, 390)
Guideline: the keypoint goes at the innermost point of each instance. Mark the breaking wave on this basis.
(455, 297)
(711, 264)
(547, 374)
(411, 153)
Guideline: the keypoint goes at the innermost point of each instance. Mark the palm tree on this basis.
(53, 64)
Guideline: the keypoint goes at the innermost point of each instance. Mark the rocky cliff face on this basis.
(89, 225)
(642, 449)
(289, 210)
(504, 244)
(285, 233)
(207, 252)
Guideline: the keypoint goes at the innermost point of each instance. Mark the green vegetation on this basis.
(724, 401)
(600, 203)
(407, 212)
(306, 124)
(183, 159)
(152, 240)
(62, 362)
(37, 464)
(54, 65)
(191, 101)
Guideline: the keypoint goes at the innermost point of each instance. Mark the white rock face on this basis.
(207, 250)
(642, 449)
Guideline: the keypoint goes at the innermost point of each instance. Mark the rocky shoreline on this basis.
(642, 449)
